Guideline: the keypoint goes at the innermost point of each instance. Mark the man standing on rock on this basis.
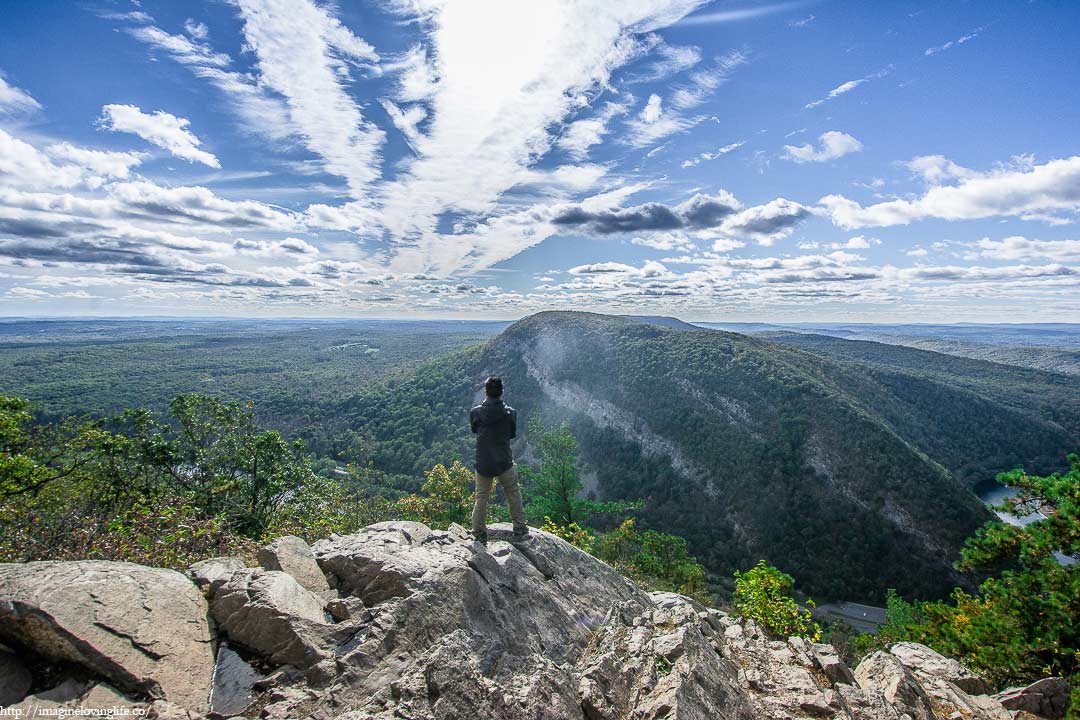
(495, 423)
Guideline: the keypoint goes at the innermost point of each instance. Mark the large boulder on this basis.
(15, 679)
(292, 555)
(144, 629)
(952, 688)
(270, 613)
(661, 663)
(456, 625)
(884, 673)
(214, 572)
(1048, 698)
(928, 663)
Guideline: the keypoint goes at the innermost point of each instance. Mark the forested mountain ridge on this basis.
(745, 447)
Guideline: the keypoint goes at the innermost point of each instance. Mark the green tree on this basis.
(218, 455)
(449, 495)
(655, 560)
(554, 484)
(33, 455)
(766, 595)
(1024, 622)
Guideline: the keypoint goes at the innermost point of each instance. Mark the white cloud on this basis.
(98, 162)
(13, 99)
(304, 54)
(183, 50)
(664, 241)
(766, 223)
(726, 16)
(673, 59)
(858, 242)
(848, 87)
(501, 76)
(731, 147)
(704, 82)
(803, 22)
(195, 29)
(834, 144)
(580, 135)
(959, 41)
(977, 273)
(405, 120)
(936, 169)
(642, 133)
(1018, 247)
(652, 111)
(259, 111)
(654, 123)
(198, 205)
(159, 128)
(1044, 189)
(23, 164)
(288, 246)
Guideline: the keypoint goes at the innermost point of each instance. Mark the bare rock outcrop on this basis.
(427, 624)
(292, 555)
(214, 572)
(1048, 698)
(270, 613)
(143, 629)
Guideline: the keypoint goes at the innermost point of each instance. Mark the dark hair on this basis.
(493, 386)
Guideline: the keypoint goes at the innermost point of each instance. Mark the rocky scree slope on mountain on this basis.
(409, 622)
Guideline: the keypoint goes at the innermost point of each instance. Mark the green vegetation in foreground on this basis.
(1024, 621)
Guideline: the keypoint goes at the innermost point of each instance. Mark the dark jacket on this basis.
(494, 423)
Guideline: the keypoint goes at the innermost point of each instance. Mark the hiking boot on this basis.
(520, 535)
(480, 536)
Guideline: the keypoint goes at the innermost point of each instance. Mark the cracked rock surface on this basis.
(143, 629)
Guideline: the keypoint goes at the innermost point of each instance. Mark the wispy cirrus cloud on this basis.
(305, 54)
(735, 15)
(659, 118)
(495, 80)
(260, 111)
(959, 41)
(580, 135)
(14, 99)
(848, 86)
(705, 156)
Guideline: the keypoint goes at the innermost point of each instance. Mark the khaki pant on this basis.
(484, 486)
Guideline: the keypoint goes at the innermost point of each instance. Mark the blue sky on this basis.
(825, 161)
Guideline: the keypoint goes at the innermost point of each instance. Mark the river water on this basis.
(997, 495)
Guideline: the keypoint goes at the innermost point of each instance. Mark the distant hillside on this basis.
(854, 476)
(1054, 347)
(1051, 359)
(662, 321)
(1036, 415)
